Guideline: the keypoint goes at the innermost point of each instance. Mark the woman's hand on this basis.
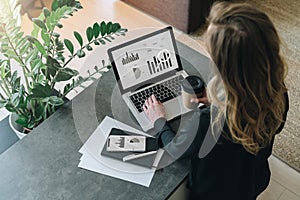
(154, 109)
(202, 99)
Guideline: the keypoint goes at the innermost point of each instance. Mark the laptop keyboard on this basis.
(163, 91)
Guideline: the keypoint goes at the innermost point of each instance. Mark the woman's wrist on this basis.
(159, 124)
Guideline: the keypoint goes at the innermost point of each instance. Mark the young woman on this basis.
(253, 104)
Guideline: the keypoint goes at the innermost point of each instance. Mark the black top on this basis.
(228, 171)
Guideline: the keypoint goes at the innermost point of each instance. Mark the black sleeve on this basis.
(287, 106)
(189, 137)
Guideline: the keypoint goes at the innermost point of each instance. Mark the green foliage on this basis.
(44, 57)
(69, 45)
(78, 38)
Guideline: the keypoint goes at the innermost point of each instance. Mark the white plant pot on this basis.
(16, 127)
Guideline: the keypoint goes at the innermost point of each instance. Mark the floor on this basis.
(285, 181)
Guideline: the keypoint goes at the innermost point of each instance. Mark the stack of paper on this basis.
(92, 160)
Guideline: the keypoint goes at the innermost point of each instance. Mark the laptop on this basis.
(148, 65)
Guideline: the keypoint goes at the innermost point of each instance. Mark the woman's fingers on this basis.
(146, 103)
(153, 109)
(145, 108)
(153, 98)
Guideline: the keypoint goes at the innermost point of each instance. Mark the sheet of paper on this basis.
(89, 163)
(3, 113)
(92, 160)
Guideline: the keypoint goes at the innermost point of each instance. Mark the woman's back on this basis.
(249, 103)
(228, 171)
(245, 47)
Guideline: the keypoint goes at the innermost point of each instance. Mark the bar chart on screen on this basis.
(159, 63)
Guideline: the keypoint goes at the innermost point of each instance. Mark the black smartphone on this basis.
(120, 140)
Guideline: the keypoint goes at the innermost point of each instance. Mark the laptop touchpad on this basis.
(173, 108)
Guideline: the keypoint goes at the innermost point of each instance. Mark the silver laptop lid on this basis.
(145, 60)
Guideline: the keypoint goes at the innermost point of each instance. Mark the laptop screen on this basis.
(144, 59)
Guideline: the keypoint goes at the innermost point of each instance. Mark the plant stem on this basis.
(23, 65)
(50, 110)
(20, 111)
(45, 111)
(73, 56)
(67, 92)
(32, 104)
(52, 83)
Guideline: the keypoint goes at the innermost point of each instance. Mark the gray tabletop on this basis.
(43, 165)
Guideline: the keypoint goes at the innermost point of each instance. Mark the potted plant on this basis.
(44, 59)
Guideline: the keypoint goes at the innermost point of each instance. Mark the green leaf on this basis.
(122, 31)
(21, 43)
(23, 101)
(15, 100)
(78, 38)
(55, 34)
(107, 39)
(80, 53)
(89, 48)
(39, 110)
(55, 101)
(25, 48)
(40, 47)
(16, 84)
(111, 37)
(46, 37)
(67, 88)
(35, 121)
(39, 23)
(54, 5)
(46, 12)
(69, 45)
(13, 32)
(2, 103)
(31, 39)
(22, 120)
(2, 70)
(53, 65)
(36, 66)
(40, 91)
(17, 37)
(56, 16)
(14, 77)
(96, 29)
(10, 53)
(9, 107)
(30, 56)
(109, 27)
(36, 29)
(59, 25)
(116, 27)
(103, 28)
(31, 125)
(65, 74)
(102, 41)
(89, 33)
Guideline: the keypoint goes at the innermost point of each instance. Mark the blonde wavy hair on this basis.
(245, 48)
